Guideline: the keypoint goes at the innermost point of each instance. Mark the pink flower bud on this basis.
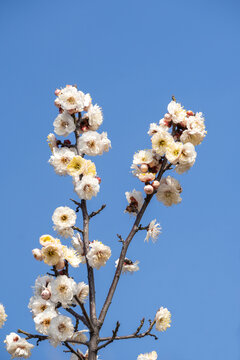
(46, 294)
(148, 189)
(144, 168)
(190, 113)
(56, 103)
(156, 184)
(144, 177)
(37, 254)
(57, 92)
(60, 265)
(84, 128)
(168, 117)
(99, 179)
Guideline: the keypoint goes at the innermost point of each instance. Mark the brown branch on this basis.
(32, 336)
(76, 203)
(92, 301)
(143, 227)
(73, 351)
(126, 243)
(120, 238)
(97, 212)
(135, 335)
(76, 325)
(84, 313)
(77, 229)
(77, 316)
(115, 331)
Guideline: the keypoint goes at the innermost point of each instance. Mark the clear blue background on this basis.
(131, 56)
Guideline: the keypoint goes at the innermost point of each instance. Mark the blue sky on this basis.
(131, 56)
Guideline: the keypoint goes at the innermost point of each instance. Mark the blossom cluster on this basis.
(78, 115)
(173, 140)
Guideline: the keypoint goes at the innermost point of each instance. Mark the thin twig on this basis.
(143, 227)
(120, 238)
(77, 229)
(135, 335)
(84, 313)
(76, 203)
(32, 336)
(115, 331)
(73, 351)
(77, 316)
(97, 212)
(122, 256)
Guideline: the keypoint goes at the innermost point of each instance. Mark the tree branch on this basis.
(115, 331)
(84, 313)
(77, 316)
(126, 243)
(73, 351)
(97, 212)
(135, 335)
(77, 229)
(32, 336)
(76, 203)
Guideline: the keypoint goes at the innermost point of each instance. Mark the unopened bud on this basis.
(168, 116)
(37, 254)
(57, 103)
(99, 179)
(190, 113)
(156, 184)
(148, 189)
(144, 168)
(60, 265)
(46, 294)
(84, 128)
(67, 142)
(57, 92)
(144, 177)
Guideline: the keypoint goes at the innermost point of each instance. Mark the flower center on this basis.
(64, 217)
(61, 328)
(71, 100)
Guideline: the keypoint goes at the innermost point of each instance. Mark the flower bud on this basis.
(99, 179)
(168, 116)
(67, 142)
(60, 265)
(144, 177)
(148, 189)
(144, 168)
(156, 184)
(57, 103)
(57, 92)
(190, 113)
(37, 254)
(46, 294)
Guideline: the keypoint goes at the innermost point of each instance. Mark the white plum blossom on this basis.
(177, 112)
(64, 217)
(41, 283)
(52, 254)
(77, 243)
(128, 265)
(3, 316)
(64, 124)
(148, 356)
(153, 231)
(153, 129)
(73, 100)
(52, 141)
(87, 187)
(95, 117)
(63, 289)
(163, 319)
(168, 191)
(174, 152)
(72, 256)
(143, 157)
(160, 141)
(195, 131)
(135, 200)
(188, 154)
(60, 329)
(18, 347)
(98, 254)
(37, 305)
(82, 291)
(43, 320)
(60, 159)
(92, 143)
(80, 336)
